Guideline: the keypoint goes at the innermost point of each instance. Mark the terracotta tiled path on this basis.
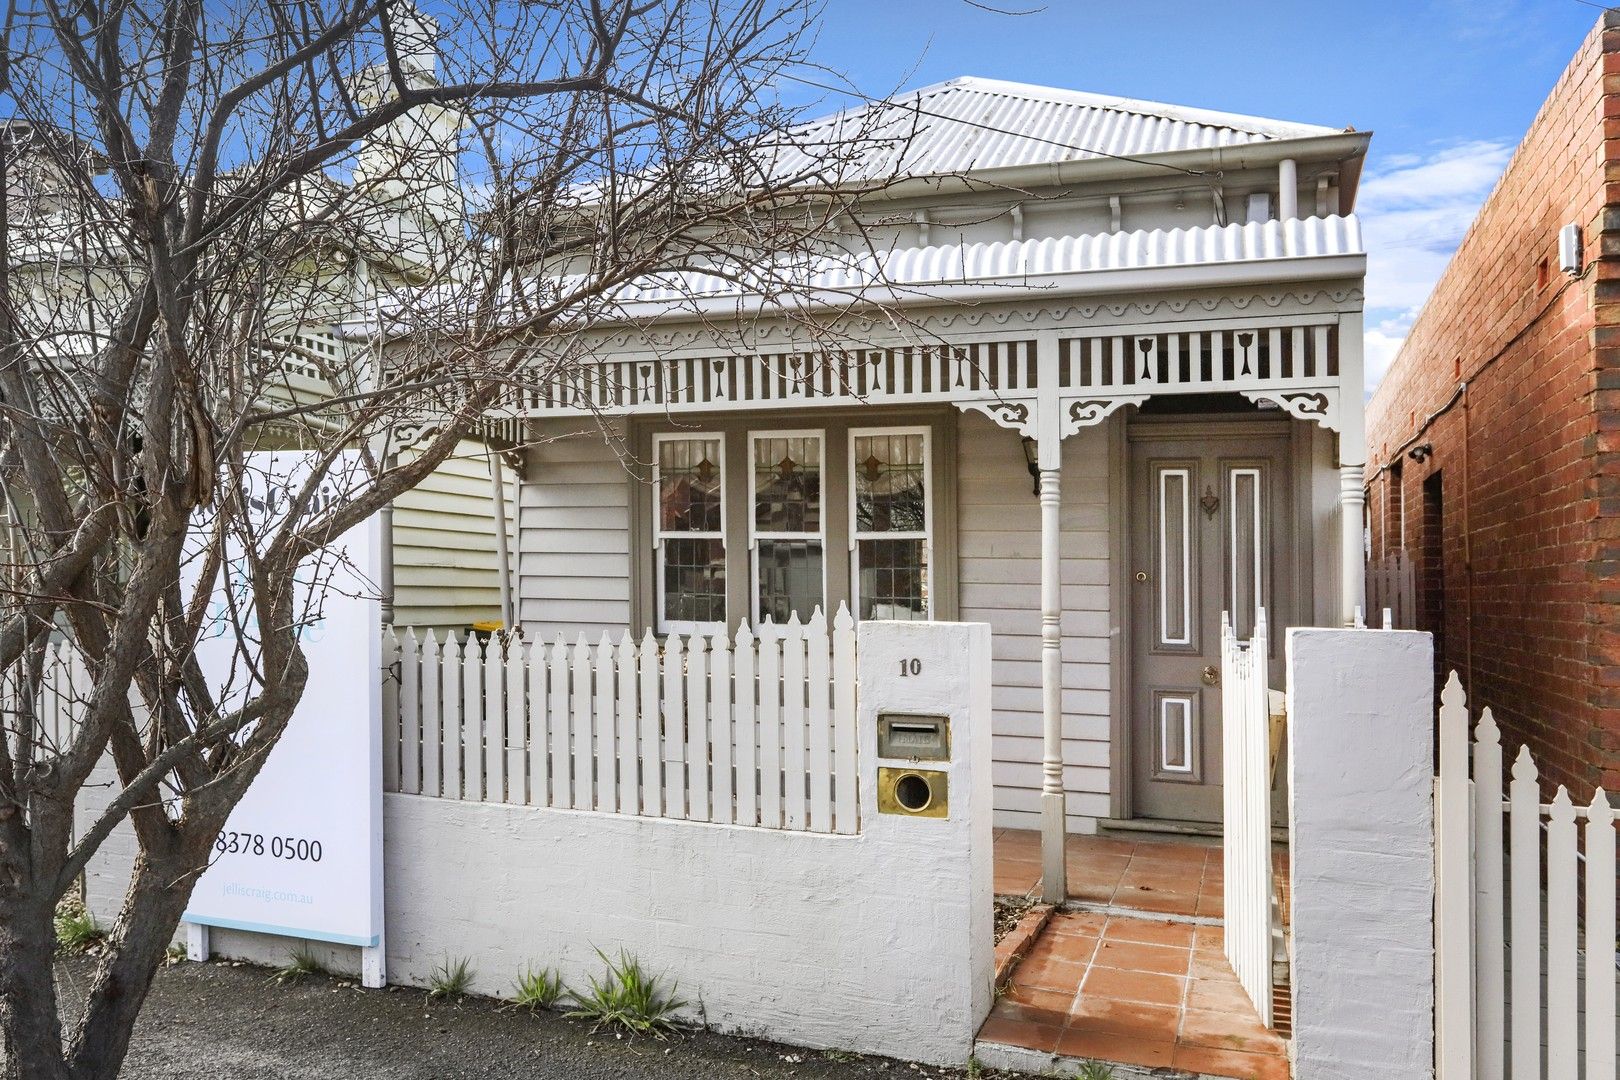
(1170, 877)
(1129, 985)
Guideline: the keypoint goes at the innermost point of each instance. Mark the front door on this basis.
(1209, 533)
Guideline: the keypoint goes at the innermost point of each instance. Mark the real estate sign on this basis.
(302, 853)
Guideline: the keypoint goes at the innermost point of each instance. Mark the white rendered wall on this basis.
(878, 943)
(107, 874)
(1361, 851)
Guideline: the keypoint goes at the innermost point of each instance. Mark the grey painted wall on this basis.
(999, 562)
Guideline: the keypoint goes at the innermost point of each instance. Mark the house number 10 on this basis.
(910, 666)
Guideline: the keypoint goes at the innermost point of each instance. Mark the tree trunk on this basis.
(30, 1031)
(158, 893)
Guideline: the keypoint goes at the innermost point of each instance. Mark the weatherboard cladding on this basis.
(575, 568)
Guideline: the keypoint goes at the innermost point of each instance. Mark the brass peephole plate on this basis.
(913, 792)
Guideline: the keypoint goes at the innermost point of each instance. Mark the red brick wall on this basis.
(1529, 455)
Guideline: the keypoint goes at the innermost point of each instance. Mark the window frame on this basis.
(662, 624)
(926, 536)
(754, 533)
(942, 421)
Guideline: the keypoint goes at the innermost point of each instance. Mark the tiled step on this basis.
(1138, 993)
(1013, 947)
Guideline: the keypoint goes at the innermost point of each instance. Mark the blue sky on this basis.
(1447, 86)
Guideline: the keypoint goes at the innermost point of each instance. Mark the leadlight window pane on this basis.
(893, 579)
(787, 485)
(689, 485)
(694, 580)
(890, 483)
(789, 578)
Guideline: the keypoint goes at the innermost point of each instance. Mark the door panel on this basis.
(1209, 533)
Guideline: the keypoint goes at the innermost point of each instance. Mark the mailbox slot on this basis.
(923, 793)
(912, 737)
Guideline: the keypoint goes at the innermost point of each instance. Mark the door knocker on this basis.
(1210, 502)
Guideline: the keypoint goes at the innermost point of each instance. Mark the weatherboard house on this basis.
(1125, 397)
(1089, 378)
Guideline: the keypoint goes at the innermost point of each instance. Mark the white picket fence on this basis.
(1509, 897)
(1246, 780)
(57, 701)
(737, 729)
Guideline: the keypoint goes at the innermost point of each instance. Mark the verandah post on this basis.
(1352, 466)
(1049, 458)
(1053, 811)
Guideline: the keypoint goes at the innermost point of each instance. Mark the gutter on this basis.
(1348, 148)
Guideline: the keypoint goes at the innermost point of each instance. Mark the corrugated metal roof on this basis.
(971, 123)
(1010, 261)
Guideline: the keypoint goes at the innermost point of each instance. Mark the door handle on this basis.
(1212, 675)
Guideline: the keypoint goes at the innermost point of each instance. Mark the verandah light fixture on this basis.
(1032, 458)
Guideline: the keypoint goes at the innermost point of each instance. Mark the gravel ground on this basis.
(218, 1021)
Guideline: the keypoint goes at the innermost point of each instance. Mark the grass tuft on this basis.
(537, 988)
(1095, 1070)
(300, 965)
(628, 999)
(451, 979)
(76, 929)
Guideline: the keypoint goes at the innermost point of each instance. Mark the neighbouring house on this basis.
(1121, 396)
(1494, 471)
(445, 556)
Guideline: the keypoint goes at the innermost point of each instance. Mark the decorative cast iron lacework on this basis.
(1291, 360)
(1200, 359)
(922, 373)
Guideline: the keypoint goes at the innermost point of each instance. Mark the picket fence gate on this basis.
(734, 729)
(1246, 791)
(1495, 923)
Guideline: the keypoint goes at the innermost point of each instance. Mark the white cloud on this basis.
(1380, 344)
(1415, 209)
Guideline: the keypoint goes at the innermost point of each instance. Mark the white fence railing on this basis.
(735, 729)
(1246, 789)
(57, 702)
(1502, 938)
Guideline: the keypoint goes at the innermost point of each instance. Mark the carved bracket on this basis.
(412, 433)
(1017, 415)
(1319, 406)
(1085, 412)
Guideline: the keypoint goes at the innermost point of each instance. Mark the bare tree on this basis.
(187, 185)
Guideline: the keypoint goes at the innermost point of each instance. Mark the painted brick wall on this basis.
(1529, 453)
